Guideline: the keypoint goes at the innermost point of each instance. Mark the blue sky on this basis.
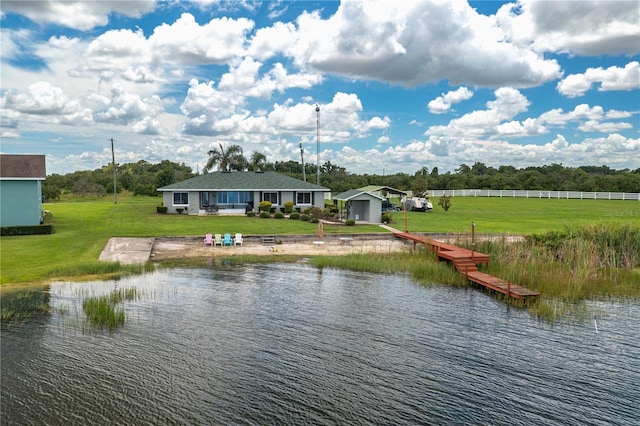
(401, 85)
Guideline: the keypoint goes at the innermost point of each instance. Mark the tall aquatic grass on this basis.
(422, 266)
(101, 311)
(105, 270)
(590, 262)
(19, 306)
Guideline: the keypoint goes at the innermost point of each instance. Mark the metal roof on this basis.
(388, 189)
(352, 193)
(243, 181)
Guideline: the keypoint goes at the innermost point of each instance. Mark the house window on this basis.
(303, 198)
(270, 196)
(180, 198)
(233, 197)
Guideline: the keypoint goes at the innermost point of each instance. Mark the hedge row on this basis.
(7, 231)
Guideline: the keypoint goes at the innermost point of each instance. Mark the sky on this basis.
(400, 85)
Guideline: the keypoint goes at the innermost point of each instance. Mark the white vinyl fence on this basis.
(513, 193)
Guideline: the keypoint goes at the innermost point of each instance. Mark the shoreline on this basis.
(141, 250)
(170, 248)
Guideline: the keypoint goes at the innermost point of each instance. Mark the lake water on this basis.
(292, 344)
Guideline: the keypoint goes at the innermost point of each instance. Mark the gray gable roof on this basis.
(22, 166)
(243, 181)
(352, 193)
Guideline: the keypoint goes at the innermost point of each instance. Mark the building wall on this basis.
(20, 202)
(366, 208)
(194, 200)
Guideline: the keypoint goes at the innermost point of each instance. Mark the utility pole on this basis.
(318, 141)
(113, 159)
(304, 173)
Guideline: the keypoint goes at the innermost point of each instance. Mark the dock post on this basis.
(508, 290)
(473, 238)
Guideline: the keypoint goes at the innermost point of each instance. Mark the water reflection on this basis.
(262, 344)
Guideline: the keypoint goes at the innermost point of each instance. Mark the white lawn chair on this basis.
(238, 239)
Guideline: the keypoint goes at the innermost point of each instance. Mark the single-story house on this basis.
(21, 179)
(237, 192)
(361, 205)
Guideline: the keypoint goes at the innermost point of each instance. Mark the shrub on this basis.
(387, 217)
(317, 213)
(265, 215)
(304, 218)
(315, 220)
(265, 206)
(162, 209)
(294, 216)
(251, 213)
(279, 215)
(350, 222)
(445, 202)
(288, 206)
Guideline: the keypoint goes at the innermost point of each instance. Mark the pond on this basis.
(292, 344)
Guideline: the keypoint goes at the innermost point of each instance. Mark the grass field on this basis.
(84, 227)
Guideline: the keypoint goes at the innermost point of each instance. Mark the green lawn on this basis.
(517, 215)
(83, 228)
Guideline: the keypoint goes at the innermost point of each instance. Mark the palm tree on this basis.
(258, 161)
(225, 159)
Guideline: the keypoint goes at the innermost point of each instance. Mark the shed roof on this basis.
(22, 166)
(353, 193)
(376, 188)
(243, 181)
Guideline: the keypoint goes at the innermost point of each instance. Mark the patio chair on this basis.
(227, 241)
(217, 241)
(238, 239)
(208, 240)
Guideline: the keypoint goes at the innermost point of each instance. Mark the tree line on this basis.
(143, 178)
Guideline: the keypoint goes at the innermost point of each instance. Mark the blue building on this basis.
(21, 179)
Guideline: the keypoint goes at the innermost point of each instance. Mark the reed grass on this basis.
(590, 262)
(19, 306)
(101, 311)
(105, 270)
(422, 266)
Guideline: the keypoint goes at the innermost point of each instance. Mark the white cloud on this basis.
(185, 42)
(270, 41)
(508, 103)
(244, 79)
(443, 103)
(606, 127)
(447, 154)
(413, 43)
(80, 14)
(612, 78)
(123, 107)
(583, 27)
(591, 118)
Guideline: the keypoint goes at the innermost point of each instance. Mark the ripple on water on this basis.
(290, 344)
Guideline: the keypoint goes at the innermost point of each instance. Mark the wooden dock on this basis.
(466, 262)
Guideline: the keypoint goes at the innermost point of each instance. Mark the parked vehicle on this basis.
(418, 204)
(388, 206)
